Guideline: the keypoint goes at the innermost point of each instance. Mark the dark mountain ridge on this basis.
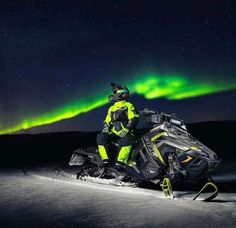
(57, 147)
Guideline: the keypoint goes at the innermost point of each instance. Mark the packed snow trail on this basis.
(26, 200)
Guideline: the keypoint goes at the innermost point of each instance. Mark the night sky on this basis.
(57, 59)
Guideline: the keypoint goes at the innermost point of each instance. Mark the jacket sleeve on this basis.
(133, 117)
(108, 117)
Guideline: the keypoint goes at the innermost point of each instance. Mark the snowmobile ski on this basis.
(204, 188)
(167, 188)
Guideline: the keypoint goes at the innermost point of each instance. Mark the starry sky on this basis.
(57, 59)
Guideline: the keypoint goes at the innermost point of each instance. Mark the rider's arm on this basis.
(133, 117)
(106, 123)
(107, 120)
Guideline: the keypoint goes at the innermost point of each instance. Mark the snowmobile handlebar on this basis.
(154, 117)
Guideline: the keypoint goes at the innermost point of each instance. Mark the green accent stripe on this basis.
(158, 136)
(102, 152)
(159, 154)
(155, 147)
(124, 154)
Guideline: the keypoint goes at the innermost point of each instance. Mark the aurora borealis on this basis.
(176, 87)
(150, 86)
(58, 59)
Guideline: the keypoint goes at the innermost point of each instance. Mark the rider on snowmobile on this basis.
(120, 121)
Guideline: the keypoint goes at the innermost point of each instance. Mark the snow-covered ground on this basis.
(44, 201)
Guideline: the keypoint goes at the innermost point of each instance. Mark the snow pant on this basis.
(124, 146)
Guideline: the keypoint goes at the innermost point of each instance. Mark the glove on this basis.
(120, 130)
(132, 123)
(123, 132)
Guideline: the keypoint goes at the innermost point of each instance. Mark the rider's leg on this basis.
(124, 148)
(103, 141)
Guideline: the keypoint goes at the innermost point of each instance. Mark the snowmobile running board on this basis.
(206, 186)
(114, 181)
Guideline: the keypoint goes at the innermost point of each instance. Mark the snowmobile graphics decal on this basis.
(149, 146)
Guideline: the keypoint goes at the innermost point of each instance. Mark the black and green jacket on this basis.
(122, 114)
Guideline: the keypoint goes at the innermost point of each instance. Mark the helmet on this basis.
(119, 92)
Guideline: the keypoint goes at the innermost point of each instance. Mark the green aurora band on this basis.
(149, 86)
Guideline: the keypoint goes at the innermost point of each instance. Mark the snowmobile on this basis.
(164, 154)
